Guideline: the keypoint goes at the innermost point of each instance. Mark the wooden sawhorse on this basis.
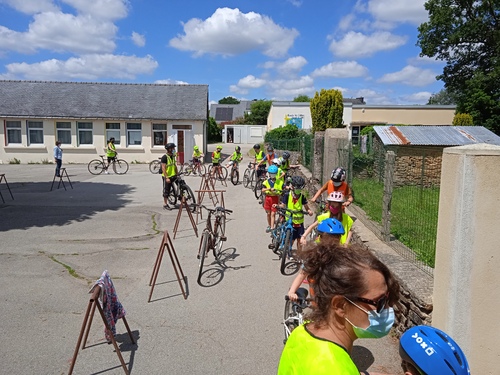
(87, 322)
(3, 178)
(62, 173)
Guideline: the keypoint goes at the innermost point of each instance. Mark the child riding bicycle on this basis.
(236, 157)
(272, 188)
(197, 156)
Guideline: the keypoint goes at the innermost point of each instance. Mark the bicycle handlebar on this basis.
(212, 210)
(284, 210)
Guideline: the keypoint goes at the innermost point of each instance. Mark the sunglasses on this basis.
(380, 304)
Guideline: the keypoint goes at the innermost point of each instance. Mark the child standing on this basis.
(272, 188)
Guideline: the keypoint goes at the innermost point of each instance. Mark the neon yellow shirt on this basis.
(346, 223)
(306, 354)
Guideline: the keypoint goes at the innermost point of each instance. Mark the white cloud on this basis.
(251, 82)
(138, 39)
(88, 67)
(61, 32)
(295, 3)
(291, 66)
(417, 98)
(398, 11)
(290, 88)
(424, 60)
(356, 45)
(31, 6)
(410, 75)
(230, 32)
(101, 9)
(341, 69)
(238, 90)
(170, 82)
(373, 97)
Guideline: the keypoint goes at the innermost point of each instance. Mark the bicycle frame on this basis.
(294, 317)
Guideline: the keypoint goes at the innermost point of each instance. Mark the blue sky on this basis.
(249, 49)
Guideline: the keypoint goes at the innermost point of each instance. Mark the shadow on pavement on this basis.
(34, 205)
(214, 275)
(362, 357)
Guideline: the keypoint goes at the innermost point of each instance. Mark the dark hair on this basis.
(337, 270)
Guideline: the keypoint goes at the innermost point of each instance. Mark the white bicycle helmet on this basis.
(335, 196)
(277, 161)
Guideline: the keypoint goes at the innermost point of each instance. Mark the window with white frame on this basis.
(63, 132)
(13, 130)
(84, 133)
(35, 132)
(159, 134)
(113, 131)
(134, 134)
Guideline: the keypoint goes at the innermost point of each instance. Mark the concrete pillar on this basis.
(466, 276)
(336, 151)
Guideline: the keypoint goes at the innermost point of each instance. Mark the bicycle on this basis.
(193, 167)
(320, 209)
(294, 316)
(212, 236)
(155, 166)
(248, 174)
(220, 172)
(179, 190)
(259, 184)
(235, 172)
(281, 240)
(97, 166)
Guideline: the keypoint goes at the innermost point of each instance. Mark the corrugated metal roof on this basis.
(436, 135)
(102, 100)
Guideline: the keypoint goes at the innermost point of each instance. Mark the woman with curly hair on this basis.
(353, 297)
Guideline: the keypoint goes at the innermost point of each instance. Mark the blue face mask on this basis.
(380, 323)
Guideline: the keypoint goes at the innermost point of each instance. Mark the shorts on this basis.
(111, 158)
(298, 232)
(269, 201)
(215, 164)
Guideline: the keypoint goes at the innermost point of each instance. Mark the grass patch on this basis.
(71, 271)
(414, 214)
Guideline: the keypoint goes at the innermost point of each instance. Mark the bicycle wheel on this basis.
(201, 170)
(222, 174)
(188, 195)
(235, 176)
(286, 251)
(246, 178)
(276, 238)
(253, 177)
(120, 166)
(187, 169)
(219, 238)
(291, 319)
(258, 189)
(154, 166)
(96, 166)
(202, 252)
(172, 196)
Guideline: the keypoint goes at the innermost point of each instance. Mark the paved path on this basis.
(114, 222)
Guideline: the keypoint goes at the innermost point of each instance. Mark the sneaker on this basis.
(106, 172)
(167, 207)
(268, 229)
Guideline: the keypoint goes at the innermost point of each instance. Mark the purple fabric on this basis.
(113, 309)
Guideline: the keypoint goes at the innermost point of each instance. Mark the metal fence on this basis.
(399, 189)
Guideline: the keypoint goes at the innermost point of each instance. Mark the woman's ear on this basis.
(338, 305)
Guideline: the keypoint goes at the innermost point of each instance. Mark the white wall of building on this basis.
(192, 132)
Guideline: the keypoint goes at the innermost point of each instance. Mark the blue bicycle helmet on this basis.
(432, 352)
(272, 169)
(331, 226)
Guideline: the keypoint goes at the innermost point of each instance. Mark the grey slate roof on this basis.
(37, 99)
(428, 135)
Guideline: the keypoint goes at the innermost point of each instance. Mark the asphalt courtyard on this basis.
(55, 244)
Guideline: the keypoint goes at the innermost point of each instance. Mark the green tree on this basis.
(466, 35)
(462, 119)
(327, 109)
(214, 131)
(302, 99)
(259, 110)
(443, 97)
(229, 100)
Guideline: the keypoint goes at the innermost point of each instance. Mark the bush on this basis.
(14, 161)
